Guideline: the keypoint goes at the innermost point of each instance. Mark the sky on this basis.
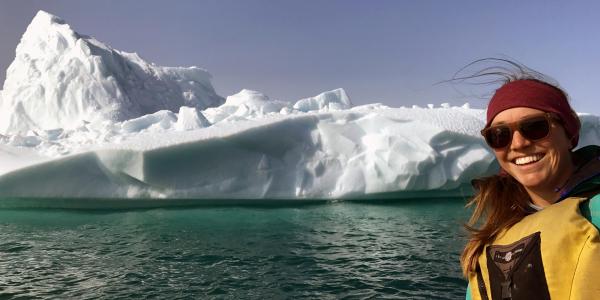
(391, 52)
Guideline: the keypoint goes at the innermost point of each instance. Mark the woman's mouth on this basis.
(529, 159)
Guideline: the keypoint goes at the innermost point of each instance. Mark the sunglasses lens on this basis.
(498, 137)
(535, 129)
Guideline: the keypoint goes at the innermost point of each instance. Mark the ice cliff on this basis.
(79, 119)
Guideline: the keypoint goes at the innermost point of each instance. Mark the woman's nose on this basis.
(519, 141)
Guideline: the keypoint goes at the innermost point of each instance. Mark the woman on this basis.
(532, 232)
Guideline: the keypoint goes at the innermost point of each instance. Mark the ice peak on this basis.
(46, 33)
(60, 78)
(246, 96)
(340, 94)
(46, 18)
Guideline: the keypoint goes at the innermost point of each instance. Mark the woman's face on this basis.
(538, 165)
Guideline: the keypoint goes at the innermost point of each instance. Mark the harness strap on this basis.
(481, 284)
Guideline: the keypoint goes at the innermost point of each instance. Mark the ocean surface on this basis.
(404, 249)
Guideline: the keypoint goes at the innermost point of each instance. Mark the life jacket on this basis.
(551, 254)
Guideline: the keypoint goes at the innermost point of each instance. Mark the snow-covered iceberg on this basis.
(123, 128)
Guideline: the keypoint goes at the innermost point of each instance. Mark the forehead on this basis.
(515, 114)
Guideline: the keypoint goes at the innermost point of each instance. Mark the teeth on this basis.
(528, 159)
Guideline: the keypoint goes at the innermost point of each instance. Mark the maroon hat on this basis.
(535, 94)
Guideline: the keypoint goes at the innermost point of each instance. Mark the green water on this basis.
(403, 249)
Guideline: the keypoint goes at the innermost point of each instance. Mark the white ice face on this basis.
(321, 154)
(79, 119)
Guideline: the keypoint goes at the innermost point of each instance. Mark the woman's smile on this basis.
(527, 160)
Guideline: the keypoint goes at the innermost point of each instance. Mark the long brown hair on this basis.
(500, 202)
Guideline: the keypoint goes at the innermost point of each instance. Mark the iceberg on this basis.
(80, 120)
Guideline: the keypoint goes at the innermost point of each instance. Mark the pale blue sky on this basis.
(379, 51)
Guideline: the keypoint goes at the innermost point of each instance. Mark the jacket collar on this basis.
(586, 177)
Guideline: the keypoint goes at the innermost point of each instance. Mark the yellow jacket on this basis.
(551, 254)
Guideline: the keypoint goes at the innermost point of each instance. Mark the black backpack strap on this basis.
(481, 284)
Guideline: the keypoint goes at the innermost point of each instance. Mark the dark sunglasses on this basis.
(532, 128)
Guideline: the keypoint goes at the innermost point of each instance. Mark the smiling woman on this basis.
(534, 229)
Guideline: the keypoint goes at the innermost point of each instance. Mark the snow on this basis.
(243, 105)
(336, 99)
(113, 127)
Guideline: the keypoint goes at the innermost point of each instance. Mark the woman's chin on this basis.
(532, 181)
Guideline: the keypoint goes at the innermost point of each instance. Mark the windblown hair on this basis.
(500, 200)
(498, 71)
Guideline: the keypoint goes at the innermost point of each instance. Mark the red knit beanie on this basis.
(538, 95)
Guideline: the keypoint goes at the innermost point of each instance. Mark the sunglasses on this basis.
(532, 128)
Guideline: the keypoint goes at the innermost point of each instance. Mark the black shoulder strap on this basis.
(481, 284)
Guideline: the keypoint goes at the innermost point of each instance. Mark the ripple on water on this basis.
(12, 247)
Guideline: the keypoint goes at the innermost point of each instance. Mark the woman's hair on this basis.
(500, 201)
(491, 214)
(499, 71)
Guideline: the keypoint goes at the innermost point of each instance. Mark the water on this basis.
(403, 249)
